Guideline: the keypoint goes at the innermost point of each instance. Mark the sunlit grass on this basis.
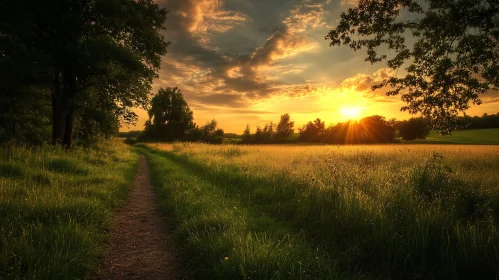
(56, 207)
(388, 211)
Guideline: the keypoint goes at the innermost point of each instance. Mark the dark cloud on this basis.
(203, 107)
(233, 53)
(226, 99)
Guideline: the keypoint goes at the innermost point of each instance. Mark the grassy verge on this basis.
(474, 136)
(381, 212)
(56, 207)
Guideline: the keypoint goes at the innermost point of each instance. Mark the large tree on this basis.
(448, 49)
(375, 129)
(285, 127)
(313, 131)
(414, 128)
(105, 49)
(170, 118)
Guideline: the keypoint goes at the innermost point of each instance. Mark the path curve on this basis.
(141, 247)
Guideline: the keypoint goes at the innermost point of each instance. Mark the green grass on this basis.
(477, 136)
(56, 207)
(223, 238)
(298, 212)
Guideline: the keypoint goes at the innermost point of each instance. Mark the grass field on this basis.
(332, 212)
(56, 207)
(478, 137)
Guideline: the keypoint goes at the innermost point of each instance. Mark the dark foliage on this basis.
(170, 118)
(271, 133)
(414, 128)
(476, 122)
(447, 48)
(75, 69)
(373, 129)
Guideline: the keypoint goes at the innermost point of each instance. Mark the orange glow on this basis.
(351, 112)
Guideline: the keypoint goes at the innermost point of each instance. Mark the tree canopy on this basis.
(170, 118)
(414, 128)
(87, 58)
(448, 49)
(285, 127)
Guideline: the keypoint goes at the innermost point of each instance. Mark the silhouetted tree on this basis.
(414, 128)
(170, 118)
(268, 132)
(313, 131)
(375, 129)
(285, 127)
(246, 135)
(449, 63)
(258, 137)
(211, 134)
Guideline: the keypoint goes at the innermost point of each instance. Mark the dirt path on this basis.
(141, 246)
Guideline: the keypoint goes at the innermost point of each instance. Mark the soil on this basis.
(141, 245)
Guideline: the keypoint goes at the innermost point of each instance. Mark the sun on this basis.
(351, 112)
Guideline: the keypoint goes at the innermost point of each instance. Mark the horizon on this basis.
(248, 62)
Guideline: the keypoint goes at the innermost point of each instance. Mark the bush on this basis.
(131, 140)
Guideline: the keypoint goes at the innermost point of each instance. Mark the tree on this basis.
(170, 118)
(375, 129)
(257, 137)
(211, 134)
(109, 49)
(414, 128)
(285, 127)
(24, 80)
(246, 135)
(313, 131)
(451, 59)
(268, 132)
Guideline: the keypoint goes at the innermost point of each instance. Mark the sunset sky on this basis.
(250, 61)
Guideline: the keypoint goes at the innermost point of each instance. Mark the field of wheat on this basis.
(316, 212)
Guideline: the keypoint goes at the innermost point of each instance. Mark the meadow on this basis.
(331, 212)
(57, 206)
(473, 136)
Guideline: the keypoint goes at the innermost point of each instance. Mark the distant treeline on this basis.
(369, 130)
(476, 122)
(372, 129)
(171, 120)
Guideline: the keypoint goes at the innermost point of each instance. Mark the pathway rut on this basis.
(141, 246)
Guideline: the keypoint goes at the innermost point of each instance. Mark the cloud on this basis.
(207, 73)
(198, 17)
(349, 2)
(244, 73)
(492, 96)
(204, 107)
(309, 15)
(363, 83)
(222, 99)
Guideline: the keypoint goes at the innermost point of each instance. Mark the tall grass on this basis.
(56, 207)
(391, 211)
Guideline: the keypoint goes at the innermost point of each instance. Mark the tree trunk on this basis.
(69, 91)
(58, 116)
(62, 113)
(14, 117)
(68, 135)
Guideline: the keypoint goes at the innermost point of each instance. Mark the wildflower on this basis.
(226, 258)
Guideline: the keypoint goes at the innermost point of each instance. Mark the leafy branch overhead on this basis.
(448, 50)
